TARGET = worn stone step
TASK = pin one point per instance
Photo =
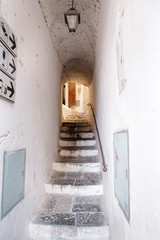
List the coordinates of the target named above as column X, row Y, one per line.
column 77, row 135
column 70, row 218
column 78, row 151
column 77, row 124
column 75, row 178
column 76, row 117
column 75, row 183
column 76, row 139
column 54, row 232
column 76, row 143
column 55, row 203
column 87, row 159
column 67, row 210
column 76, row 128
column 76, row 167
column 73, row 119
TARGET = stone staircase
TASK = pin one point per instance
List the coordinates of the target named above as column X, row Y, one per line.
column 73, row 206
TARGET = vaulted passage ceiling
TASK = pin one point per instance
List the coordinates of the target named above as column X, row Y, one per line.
column 76, row 51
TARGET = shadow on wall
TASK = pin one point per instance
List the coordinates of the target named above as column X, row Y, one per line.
column 77, row 70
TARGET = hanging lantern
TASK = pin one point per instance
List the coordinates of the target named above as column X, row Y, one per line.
column 72, row 19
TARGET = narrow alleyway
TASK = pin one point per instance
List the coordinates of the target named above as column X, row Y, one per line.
column 112, row 55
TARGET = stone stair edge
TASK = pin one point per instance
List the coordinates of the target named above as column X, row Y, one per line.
column 76, row 122
column 67, row 232
column 76, row 159
column 77, row 148
column 90, row 190
column 80, row 160
column 77, row 135
column 75, row 132
column 77, row 139
column 76, row 128
column 93, row 167
column 62, row 174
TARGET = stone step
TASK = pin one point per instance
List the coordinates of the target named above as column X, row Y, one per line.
column 49, row 232
column 74, row 190
column 77, row 151
column 68, row 119
column 66, row 210
column 77, row 135
column 76, row 143
column 76, row 128
column 77, row 124
column 76, row 117
column 75, row 183
column 76, row 167
column 67, row 217
column 88, row 159
column 72, row 219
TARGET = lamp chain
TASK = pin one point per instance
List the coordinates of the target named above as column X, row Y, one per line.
column 72, row 3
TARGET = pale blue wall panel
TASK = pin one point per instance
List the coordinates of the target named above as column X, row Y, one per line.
column 13, row 179
column 121, row 171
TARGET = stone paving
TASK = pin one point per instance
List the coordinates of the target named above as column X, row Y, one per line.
column 75, row 178
column 69, row 210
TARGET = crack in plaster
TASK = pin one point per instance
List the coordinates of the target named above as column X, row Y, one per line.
column 3, row 137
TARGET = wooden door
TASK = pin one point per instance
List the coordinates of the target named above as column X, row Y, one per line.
column 72, row 93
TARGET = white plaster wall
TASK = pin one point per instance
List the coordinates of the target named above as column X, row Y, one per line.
column 32, row 122
column 137, row 108
column 85, row 99
column 83, row 96
column 79, row 96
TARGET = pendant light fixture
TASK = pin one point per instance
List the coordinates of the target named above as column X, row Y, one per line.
column 72, row 18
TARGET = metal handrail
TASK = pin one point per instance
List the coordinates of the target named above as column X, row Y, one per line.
column 105, row 167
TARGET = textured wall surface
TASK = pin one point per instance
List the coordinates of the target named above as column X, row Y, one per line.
column 32, row 122
column 137, row 109
column 77, row 70
column 79, row 45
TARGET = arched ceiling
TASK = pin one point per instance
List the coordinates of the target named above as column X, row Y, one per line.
column 77, row 70
column 79, row 46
